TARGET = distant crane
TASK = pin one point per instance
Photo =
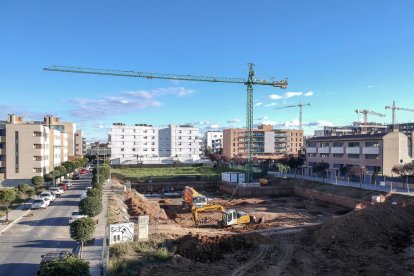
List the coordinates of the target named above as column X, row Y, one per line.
column 366, row 112
column 249, row 82
column 394, row 108
column 300, row 105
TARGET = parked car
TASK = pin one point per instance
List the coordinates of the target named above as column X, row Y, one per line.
column 57, row 190
column 63, row 186
column 83, row 195
column 51, row 256
column 83, row 171
column 47, row 195
column 76, row 214
column 40, row 203
column 67, row 182
column 75, row 176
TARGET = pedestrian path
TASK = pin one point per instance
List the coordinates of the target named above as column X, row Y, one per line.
column 15, row 216
column 353, row 184
column 94, row 253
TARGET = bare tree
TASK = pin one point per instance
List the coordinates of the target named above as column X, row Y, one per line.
column 404, row 171
column 358, row 171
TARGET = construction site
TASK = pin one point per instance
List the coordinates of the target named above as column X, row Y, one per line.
column 286, row 227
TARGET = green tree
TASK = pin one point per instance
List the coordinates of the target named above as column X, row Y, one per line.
column 321, row 169
column 95, row 192
column 7, row 196
column 26, row 190
column 70, row 265
column 38, row 182
column 81, row 230
column 91, row 206
column 70, row 166
column 404, row 171
column 48, row 177
column 294, row 163
column 61, row 169
column 358, row 171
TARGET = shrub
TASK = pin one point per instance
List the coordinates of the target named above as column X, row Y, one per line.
column 71, row 265
column 91, row 206
column 95, row 192
column 48, row 177
column 26, row 190
column 38, row 182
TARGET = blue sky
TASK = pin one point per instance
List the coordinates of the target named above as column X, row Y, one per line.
column 342, row 54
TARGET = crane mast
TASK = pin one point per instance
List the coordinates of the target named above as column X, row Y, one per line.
column 300, row 105
column 394, row 108
column 365, row 112
column 249, row 82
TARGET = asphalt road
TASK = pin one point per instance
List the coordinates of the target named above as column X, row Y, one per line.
column 47, row 230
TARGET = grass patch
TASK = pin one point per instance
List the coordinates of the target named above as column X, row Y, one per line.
column 170, row 172
column 129, row 258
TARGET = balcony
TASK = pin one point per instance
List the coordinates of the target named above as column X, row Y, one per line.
column 339, row 150
column 2, row 139
column 311, row 150
column 323, row 150
column 2, row 151
column 2, row 164
column 353, row 150
column 370, row 150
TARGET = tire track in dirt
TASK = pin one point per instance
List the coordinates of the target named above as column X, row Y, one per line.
column 257, row 255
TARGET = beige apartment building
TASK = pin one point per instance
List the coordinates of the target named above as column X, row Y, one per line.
column 268, row 143
column 79, row 143
column 31, row 148
column 67, row 127
column 378, row 152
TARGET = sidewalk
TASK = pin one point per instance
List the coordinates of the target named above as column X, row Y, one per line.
column 94, row 253
column 15, row 216
column 353, row 184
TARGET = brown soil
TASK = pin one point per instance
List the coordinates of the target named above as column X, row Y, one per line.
column 138, row 205
column 366, row 242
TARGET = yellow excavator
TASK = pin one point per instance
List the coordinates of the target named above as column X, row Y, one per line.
column 229, row 217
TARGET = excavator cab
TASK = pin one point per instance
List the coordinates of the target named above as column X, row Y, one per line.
column 199, row 201
column 231, row 217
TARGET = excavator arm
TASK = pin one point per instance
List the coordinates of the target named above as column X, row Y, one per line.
column 207, row 208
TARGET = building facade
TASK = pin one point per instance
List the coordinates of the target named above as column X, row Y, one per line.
column 213, row 141
column 268, row 143
column 143, row 143
column 31, row 148
column 378, row 152
column 79, row 143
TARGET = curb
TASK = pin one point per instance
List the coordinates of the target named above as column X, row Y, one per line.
column 14, row 222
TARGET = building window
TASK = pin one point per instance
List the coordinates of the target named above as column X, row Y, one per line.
column 353, row 144
column 122, row 149
column 337, row 155
column 37, row 170
column 371, row 156
column 338, row 144
column 311, row 154
column 324, row 155
column 37, row 158
column 353, row 156
column 37, row 134
column 372, row 144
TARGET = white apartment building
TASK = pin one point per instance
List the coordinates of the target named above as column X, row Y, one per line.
column 213, row 141
column 143, row 143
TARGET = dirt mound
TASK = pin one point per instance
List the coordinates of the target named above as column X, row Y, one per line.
column 366, row 242
column 138, row 205
column 208, row 249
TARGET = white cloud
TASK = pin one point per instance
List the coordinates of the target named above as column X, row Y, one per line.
column 215, row 126
column 309, row 93
column 270, row 104
column 286, row 95
column 259, row 104
column 262, row 118
column 123, row 102
column 370, row 86
column 232, row 121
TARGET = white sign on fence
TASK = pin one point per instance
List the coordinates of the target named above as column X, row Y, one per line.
column 121, row 232
column 143, row 222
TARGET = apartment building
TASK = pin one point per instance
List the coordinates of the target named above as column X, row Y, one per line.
column 143, row 143
column 213, row 141
column 268, row 143
column 79, row 143
column 30, row 148
column 378, row 152
column 67, row 127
